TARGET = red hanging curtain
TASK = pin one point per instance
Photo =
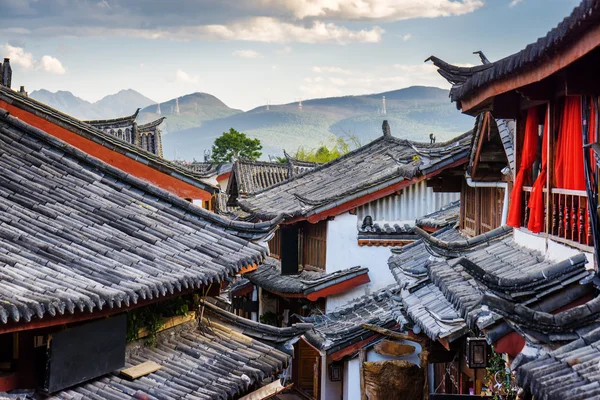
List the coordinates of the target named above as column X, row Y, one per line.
column 536, row 200
column 527, row 159
column 568, row 169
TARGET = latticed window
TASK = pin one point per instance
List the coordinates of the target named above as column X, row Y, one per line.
column 275, row 245
column 314, row 245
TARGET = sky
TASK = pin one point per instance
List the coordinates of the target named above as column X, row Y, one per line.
column 253, row 52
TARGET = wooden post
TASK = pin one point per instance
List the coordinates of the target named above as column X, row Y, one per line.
column 549, row 170
column 424, row 366
column 362, row 358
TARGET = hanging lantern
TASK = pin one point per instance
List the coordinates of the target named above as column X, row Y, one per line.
column 477, row 353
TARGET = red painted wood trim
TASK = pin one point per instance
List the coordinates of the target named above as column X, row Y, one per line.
column 8, row 382
column 582, row 46
column 340, row 287
column 342, row 208
column 353, row 348
column 121, row 161
column 224, row 176
column 333, row 289
column 511, row 344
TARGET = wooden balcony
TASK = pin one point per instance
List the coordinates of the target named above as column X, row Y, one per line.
column 569, row 218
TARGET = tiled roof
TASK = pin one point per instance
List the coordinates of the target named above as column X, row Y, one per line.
column 151, row 125
column 268, row 276
column 341, row 328
column 78, row 234
column 233, row 212
column 468, row 80
column 506, row 130
column 207, row 362
column 114, row 122
column 446, row 216
column 492, row 268
column 254, row 176
column 381, row 163
column 272, row 335
column 423, row 302
column 206, row 169
column 96, row 135
column 569, row 372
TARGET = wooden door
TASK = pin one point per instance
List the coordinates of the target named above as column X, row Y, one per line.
column 308, row 367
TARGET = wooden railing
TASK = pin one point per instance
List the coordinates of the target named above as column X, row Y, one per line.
column 570, row 219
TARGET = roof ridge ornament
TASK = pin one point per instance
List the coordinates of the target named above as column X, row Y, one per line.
column 387, row 131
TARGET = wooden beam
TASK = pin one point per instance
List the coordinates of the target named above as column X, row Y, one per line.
column 394, row 335
column 143, row 369
column 362, row 358
column 389, row 348
column 486, row 121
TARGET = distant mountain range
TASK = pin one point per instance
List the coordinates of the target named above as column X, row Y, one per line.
column 413, row 113
column 115, row 105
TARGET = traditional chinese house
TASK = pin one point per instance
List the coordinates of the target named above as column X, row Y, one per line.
column 146, row 136
column 531, row 290
column 143, row 162
column 357, row 351
column 90, row 252
column 329, row 210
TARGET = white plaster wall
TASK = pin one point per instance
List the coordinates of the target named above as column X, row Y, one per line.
column 352, row 379
column 198, row 203
column 554, row 251
column 344, row 252
column 330, row 390
column 412, row 202
column 223, row 184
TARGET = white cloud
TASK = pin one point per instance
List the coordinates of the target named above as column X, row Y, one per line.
column 246, row 54
column 183, row 77
column 283, row 51
column 337, row 81
column 391, row 10
column 406, row 37
column 272, row 30
column 104, row 4
column 51, row 64
column 332, row 70
column 514, row 3
column 18, row 56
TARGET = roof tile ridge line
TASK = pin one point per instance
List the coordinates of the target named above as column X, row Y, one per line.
column 137, row 182
column 351, row 304
column 446, row 66
column 466, row 243
column 79, row 125
column 490, row 279
column 152, row 124
column 407, row 247
column 321, row 166
column 564, row 320
column 448, row 142
column 132, row 117
column 226, row 314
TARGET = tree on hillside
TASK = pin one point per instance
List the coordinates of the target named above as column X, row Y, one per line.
column 326, row 153
column 233, row 145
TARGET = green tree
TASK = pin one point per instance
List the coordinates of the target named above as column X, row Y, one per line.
column 324, row 153
column 234, row 144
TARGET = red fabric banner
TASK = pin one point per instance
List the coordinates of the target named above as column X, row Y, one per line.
column 528, row 155
column 536, row 200
column 568, row 168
